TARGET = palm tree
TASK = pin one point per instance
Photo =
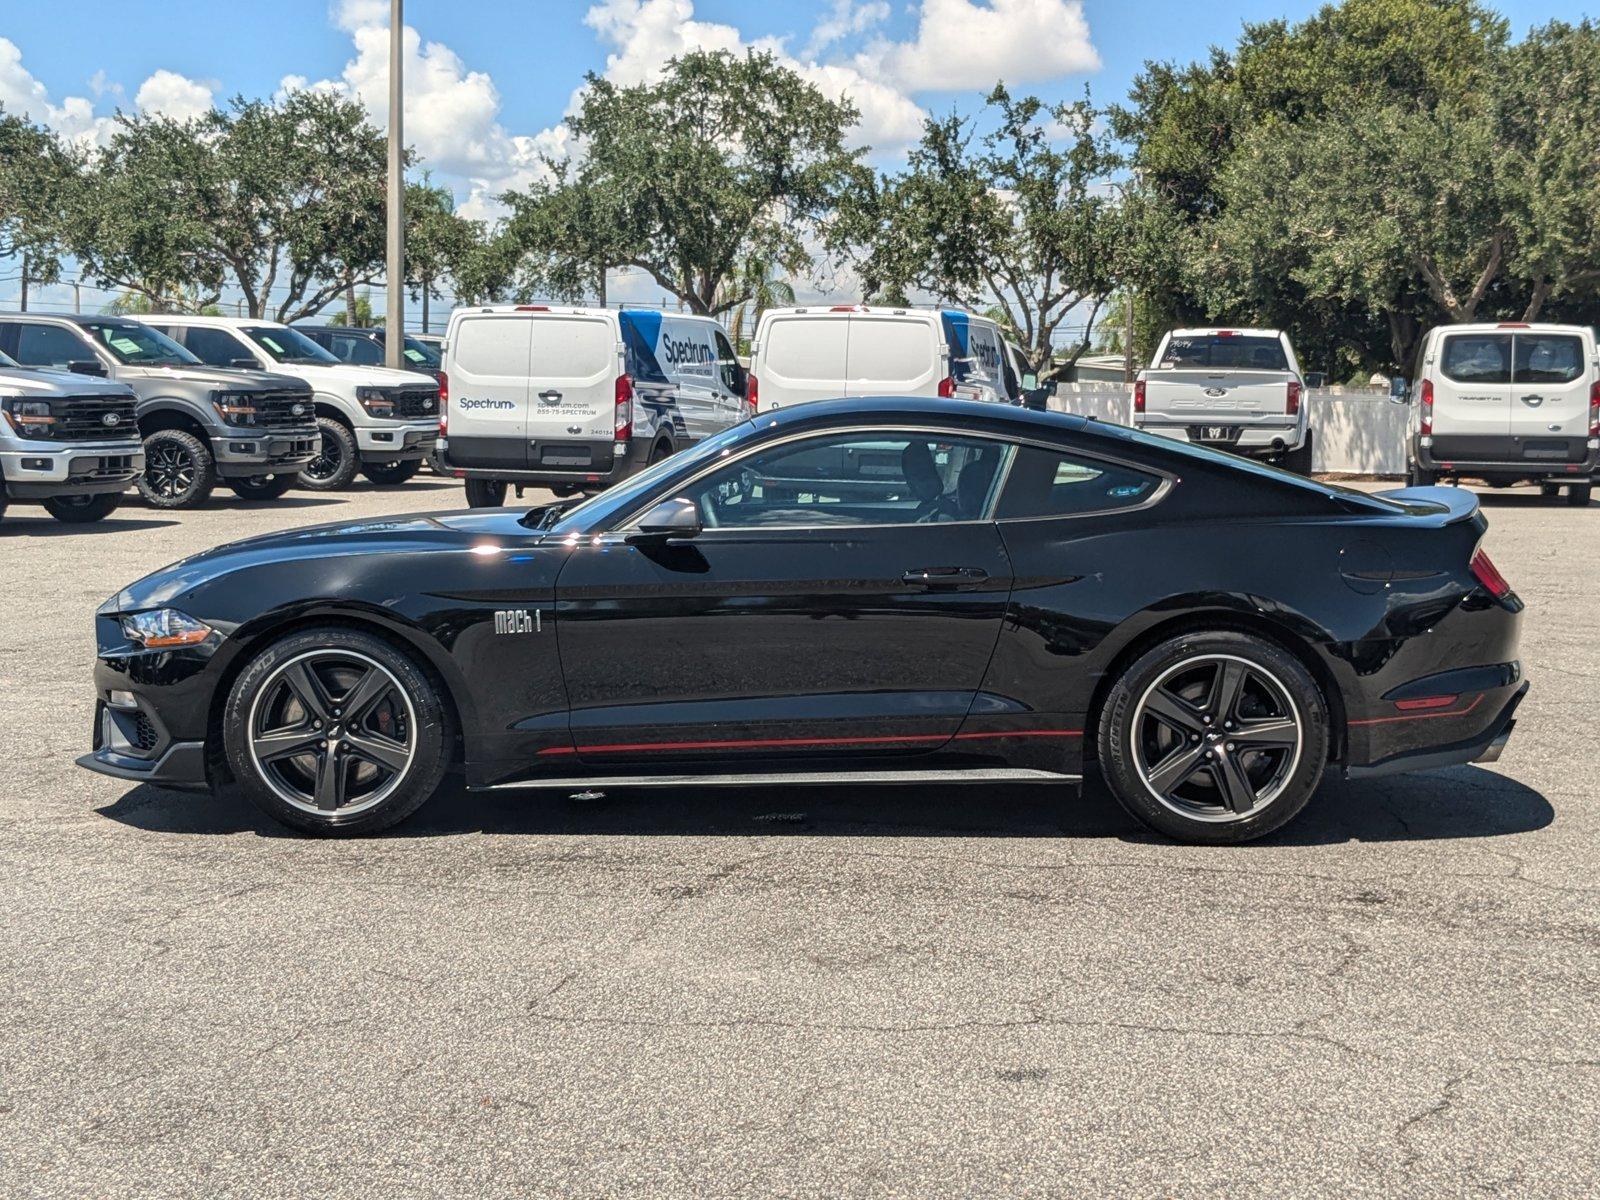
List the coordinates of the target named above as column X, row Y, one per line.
column 761, row 289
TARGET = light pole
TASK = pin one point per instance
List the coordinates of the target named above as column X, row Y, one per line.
column 395, row 265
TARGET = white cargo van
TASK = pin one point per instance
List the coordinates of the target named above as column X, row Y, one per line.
column 1508, row 403
column 814, row 353
column 575, row 399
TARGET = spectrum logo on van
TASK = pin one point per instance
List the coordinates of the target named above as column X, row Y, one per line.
column 685, row 351
column 470, row 405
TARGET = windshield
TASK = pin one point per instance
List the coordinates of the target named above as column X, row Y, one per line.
column 422, row 354
column 600, row 509
column 288, row 345
column 139, row 345
column 1229, row 351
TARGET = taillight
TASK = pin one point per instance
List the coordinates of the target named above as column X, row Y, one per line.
column 624, row 423
column 1292, row 404
column 947, row 387
column 1487, row 574
column 752, row 393
column 1594, row 409
column 1427, row 406
column 444, row 403
column 1138, row 395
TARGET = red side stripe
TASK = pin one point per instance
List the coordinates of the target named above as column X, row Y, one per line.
column 777, row 743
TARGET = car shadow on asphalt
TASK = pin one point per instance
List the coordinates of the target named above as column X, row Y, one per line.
column 1462, row 802
column 44, row 525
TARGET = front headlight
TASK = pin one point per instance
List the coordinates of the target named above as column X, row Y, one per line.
column 28, row 417
column 376, row 400
column 164, row 628
column 235, row 408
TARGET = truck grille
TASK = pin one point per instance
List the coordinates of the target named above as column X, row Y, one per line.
column 90, row 419
column 275, row 410
column 415, row 401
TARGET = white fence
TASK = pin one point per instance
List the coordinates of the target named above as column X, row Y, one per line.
column 1357, row 432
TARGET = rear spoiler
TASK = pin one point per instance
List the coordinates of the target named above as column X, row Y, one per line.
column 1447, row 505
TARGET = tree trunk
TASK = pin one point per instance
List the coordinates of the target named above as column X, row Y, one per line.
column 1541, row 292
column 349, row 300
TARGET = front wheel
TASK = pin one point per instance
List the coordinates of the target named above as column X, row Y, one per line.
column 337, row 459
column 485, row 493
column 179, row 471
column 262, row 487
column 1214, row 737
column 390, row 474
column 336, row 731
column 82, row 510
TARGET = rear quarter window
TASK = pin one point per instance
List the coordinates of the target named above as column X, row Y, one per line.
column 1477, row 358
column 1051, row 483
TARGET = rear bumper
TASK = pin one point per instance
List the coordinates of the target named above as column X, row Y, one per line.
column 1484, row 743
column 1500, row 457
column 1241, row 436
column 606, row 467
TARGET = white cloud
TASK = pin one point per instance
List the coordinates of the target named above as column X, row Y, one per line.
column 964, row 44
column 846, row 18
column 168, row 94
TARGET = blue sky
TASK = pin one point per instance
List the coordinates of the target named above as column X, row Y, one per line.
column 489, row 80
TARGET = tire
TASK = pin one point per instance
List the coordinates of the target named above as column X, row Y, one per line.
column 391, row 474
column 1219, row 796
column 662, row 449
column 179, row 471
column 330, row 778
column 262, row 487
column 1419, row 477
column 82, row 510
column 1578, row 495
column 1299, row 460
column 485, row 493
column 1549, row 490
column 335, row 464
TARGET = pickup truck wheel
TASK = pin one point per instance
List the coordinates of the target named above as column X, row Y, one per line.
column 82, row 510
column 389, row 474
column 485, row 493
column 335, row 464
column 179, row 471
column 1299, row 460
column 1419, row 477
column 262, row 487
column 1578, row 495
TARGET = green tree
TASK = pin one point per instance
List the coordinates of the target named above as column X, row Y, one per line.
column 36, row 179
column 727, row 159
column 438, row 241
column 283, row 201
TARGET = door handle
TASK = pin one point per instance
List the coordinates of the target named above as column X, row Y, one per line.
column 550, row 397
column 944, row 577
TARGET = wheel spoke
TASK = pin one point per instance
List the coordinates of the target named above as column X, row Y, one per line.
column 1269, row 733
column 378, row 750
column 308, row 689
column 1225, row 688
column 1237, row 791
column 285, row 743
column 330, row 781
column 1178, row 713
column 367, row 691
column 1176, row 767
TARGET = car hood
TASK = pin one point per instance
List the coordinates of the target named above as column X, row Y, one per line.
column 487, row 532
column 346, row 377
column 14, row 382
column 215, row 377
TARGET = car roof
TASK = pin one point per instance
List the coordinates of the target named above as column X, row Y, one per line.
column 1236, row 330
column 1514, row 327
column 338, row 328
column 72, row 318
column 917, row 409
column 217, row 322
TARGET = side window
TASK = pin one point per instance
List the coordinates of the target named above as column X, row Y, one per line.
column 727, row 363
column 1547, row 358
column 1049, row 483
column 49, row 346
column 1477, row 358
column 855, row 479
column 214, row 347
column 361, row 351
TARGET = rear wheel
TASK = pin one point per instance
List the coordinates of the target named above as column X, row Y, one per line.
column 1214, row 737
column 485, row 493
column 662, row 449
column 1420, row 476
column 1299, row 460
column 179, row 471
column 1578, row 495
column 390, row 474
column 262, row 487
column 335, row 731
column 337, row 459
column 82, row 510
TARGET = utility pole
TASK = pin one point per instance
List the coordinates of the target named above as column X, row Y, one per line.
column 394, row 322
column 22, row 303
column 1127, row 333
column 77, row 295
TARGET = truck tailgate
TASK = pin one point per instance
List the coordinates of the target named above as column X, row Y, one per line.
column 1183, row 394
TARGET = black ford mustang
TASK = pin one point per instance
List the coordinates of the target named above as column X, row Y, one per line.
column 848, row 590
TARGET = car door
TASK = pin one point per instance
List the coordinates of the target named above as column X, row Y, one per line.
column 1549, row 409
column 800, row 358
column 893, row 355
column 730, row 382
column 488, row 406
column 843, row 598
column 685, row 350
column 1472, row 394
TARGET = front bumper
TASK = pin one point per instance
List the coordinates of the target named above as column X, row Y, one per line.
column 247, row 453
column 397, row 443
column 133, row 744
column 48, row 469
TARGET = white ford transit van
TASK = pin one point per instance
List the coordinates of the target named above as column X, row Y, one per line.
column 1509, row 403
column 815, row 353
column 575, row 399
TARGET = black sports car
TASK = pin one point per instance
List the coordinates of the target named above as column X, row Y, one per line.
column 849, row 591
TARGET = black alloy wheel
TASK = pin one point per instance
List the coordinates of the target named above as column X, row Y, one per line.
column 262, row 487
column 391, row 473
column 337, row 458
column 179, row 471
column 82, row 510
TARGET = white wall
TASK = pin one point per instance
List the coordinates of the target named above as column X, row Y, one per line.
column 1353, row 431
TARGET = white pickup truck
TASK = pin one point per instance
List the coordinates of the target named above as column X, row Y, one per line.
column 1234, row 389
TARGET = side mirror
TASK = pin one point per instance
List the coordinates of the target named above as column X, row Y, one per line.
column 1316, row 379
column 672, row 520
column 244, row 364
column 1399, row 390
column 87, row 366
column 1029, row 382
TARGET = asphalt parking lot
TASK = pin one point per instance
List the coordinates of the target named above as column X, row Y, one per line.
column 968, row 991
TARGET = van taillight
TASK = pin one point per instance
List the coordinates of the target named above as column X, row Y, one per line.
column 624, row 423
column 1427, row 406
column 1486, row 573
column 1292, row 404
column 1594, row 409
column 444, row 403
column 1138, row 395
column 947, row 387
column 752, row 395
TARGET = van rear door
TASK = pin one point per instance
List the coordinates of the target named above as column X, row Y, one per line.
column 574, row 362
column 893, row 355
column 1549, row 409
column 802, row 357
column 488, row 372
column 1471, row 394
